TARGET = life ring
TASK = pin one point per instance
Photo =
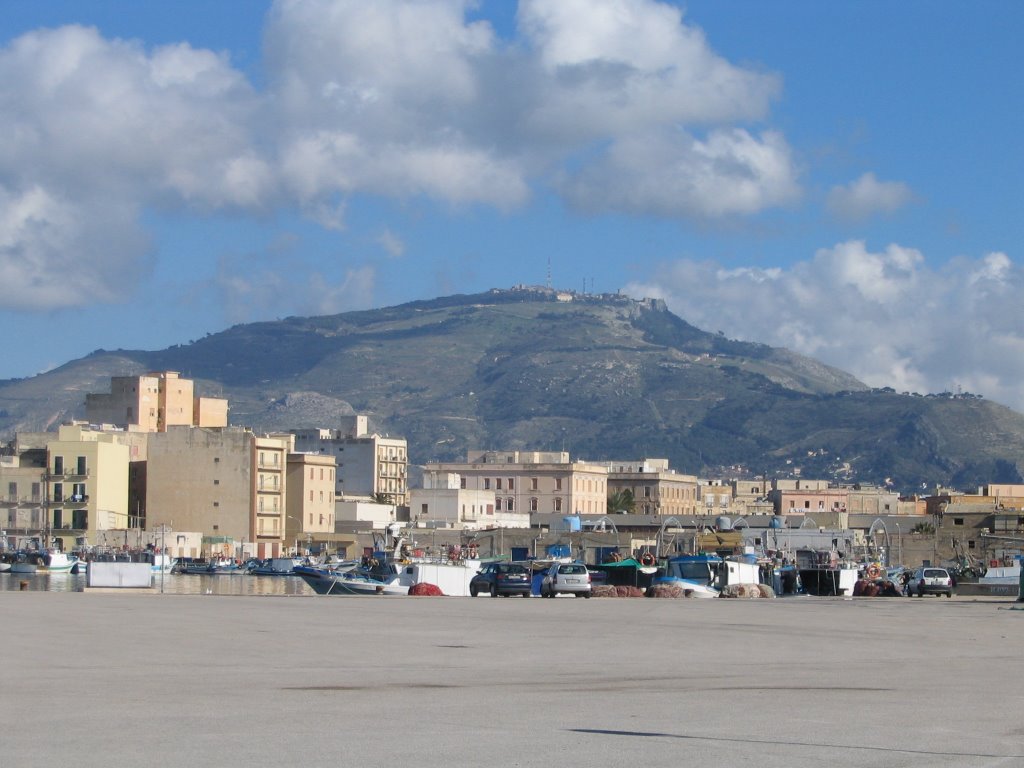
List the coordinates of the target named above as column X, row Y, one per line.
column 647, row 559
column 873, row 572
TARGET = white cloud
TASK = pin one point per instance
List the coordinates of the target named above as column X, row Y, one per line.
column 251, row 288
column 46, row 245
column 404, row 99
column 391, row 243
column 394, row 98
column 94, row 130
column 615, row 66
column 887, row 317
column 866, row 196
column 679, row 176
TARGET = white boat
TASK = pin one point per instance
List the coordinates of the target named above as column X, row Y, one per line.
column 707, row 575
column 163, row 563
column 48, row 561
column 392, row 577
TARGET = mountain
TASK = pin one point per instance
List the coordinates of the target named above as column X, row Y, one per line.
column 604, row 377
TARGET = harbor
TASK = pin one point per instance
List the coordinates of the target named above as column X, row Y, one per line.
column 203, row 680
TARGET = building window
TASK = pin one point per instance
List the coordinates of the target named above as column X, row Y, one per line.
column 497, row 483
column 807, row 505
column 558, row 504
column 510, row 504
column 462, row 483
column 497, row 504
column 58, row 465
column 533, row 483
column 216, row 482
column 958, row 521
column 970, row 544
column 533, row 504
column 487, row 483
column 511, row 484
column 647, row 491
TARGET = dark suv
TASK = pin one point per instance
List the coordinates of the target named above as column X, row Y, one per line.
column 501, row 579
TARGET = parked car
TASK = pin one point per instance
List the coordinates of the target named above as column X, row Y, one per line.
column 931, row 581
column 501, row 579
column 566, row 578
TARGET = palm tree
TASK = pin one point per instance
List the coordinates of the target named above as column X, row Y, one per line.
column 621, row 501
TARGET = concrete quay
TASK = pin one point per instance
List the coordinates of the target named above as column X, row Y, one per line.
column 99, row 679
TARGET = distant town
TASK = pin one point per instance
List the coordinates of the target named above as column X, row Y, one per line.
column 157, row 465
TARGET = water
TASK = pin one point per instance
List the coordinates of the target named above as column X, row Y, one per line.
column 173, row 583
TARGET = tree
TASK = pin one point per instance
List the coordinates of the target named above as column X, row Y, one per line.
column 621, row 501
column 382, row 498
column 923, row 528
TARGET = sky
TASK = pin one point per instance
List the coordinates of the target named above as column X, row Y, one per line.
column 842, row 179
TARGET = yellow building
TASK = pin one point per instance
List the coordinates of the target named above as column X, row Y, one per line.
column 656, row 489
column 154, row 402
column 309, row 500
column 525, row 482
column 86, row 484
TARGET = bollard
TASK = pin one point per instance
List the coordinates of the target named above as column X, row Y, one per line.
column 23, row 585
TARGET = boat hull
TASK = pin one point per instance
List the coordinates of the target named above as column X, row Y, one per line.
column 827, row 582
column 324, row 583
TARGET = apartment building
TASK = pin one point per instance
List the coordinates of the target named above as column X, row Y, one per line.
column 443, row 502
column 309, row 513
column 656, row 489
column 872, row 500
column 22, row 512
column 154, row 402
column 526, row 482
column 715, row 497
column 85, row 485
column 801, row 496
column 368, row 464
column 229, row 483
column 750, row 498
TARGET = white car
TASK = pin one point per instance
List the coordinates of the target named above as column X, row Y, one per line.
column 566, row 578
column 931, row 581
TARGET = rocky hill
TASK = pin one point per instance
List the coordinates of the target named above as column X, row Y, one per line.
column 601, row 376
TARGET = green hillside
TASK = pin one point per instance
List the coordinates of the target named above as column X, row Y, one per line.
column 601, row 376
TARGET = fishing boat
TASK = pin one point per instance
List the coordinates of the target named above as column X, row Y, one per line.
column 707, row 575
column 825, row 573
column 386, row 575
column 220, row 566
column 276, row 566
column 45, row 561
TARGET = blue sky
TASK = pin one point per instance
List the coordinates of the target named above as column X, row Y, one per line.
column 842, row 179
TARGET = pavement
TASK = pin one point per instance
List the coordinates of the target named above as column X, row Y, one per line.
column 101, row 679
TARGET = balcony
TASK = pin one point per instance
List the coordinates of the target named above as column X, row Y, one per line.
column 72, row 500
column 67, row 474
